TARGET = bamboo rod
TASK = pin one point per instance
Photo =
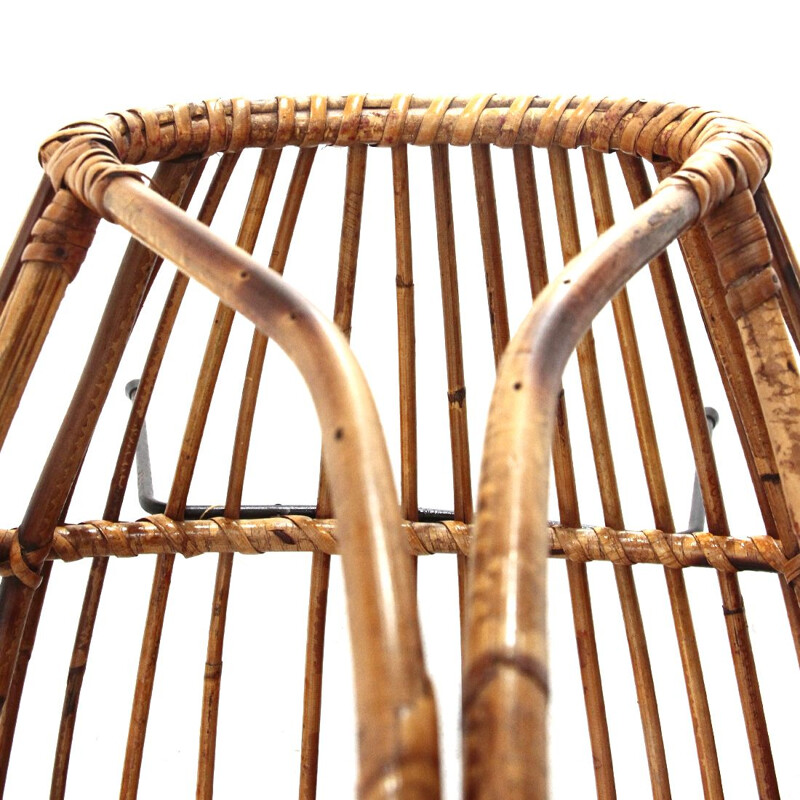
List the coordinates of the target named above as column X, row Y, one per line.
column 393, row 680
column 320, row 564
column 505, row 676
column 578, row 578
column 219, row 605
column 609, row 494
column 212, row 361
column 69, row 448
column 405, row 334
column 566, row 489
column 677, row 338
column 490, row 242
column 456, row 390
column 122, row 469
column 736, row 379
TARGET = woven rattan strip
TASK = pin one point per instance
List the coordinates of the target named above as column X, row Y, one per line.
column 719, row 155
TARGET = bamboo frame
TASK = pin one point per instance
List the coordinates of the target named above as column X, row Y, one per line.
column 711, row 169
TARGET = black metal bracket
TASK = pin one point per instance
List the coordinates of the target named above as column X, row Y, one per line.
column 149, row 502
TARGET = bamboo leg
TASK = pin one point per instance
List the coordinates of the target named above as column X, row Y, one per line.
column 67, row 453
column 8, row 718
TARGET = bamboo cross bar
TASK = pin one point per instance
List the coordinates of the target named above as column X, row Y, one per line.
column 159, row 534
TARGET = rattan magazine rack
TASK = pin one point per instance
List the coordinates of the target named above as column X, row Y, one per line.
column 709, row 198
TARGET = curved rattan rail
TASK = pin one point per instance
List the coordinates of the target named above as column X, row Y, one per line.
column 711, row 167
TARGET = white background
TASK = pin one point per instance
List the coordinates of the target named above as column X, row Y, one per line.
column 62, row 63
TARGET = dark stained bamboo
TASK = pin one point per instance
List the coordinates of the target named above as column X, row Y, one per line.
column 505, row 676
column 733, row 605
column 456, row 390
column 69, row 448
column 609, row 493
column 125, row 459
column 212, row 361
column 219, row 605
column 321, row 562
column 13, row 262
column 578, row 578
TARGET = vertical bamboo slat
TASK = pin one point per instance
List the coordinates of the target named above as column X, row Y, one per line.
column 733, row 605
column 212, row 361
column 456, row 391
column 97, row 572
column 405, row 334
column 219, row 604
column 568, row 508
column 321, row 562
column 609, row 494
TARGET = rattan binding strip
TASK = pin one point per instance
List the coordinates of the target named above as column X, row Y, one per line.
column 719, row 156
column 159, row 534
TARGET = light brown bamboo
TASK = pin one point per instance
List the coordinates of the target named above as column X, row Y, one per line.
column 219, row 604
column 609, row 493
column 456, row 390
column 490, row 242
column 735, row 374
column 578, row 578
column 390, row 678
column 506, row 677
column 321, row 564
column 677, row 338
column 122, row 469
column 566, row 489
column 733, row 605
column 176, row 503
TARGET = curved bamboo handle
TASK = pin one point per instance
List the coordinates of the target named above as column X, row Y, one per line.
column 505, row 678
column 396, row 711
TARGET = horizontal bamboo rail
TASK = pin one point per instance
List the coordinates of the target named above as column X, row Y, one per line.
column 159, row 534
